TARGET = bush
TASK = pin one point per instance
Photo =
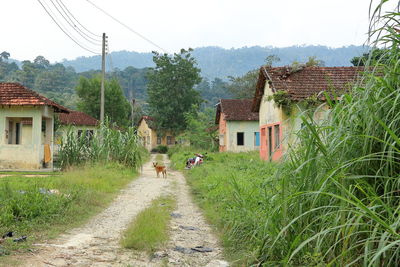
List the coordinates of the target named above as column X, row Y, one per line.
column 107, row 144
column 162, row 149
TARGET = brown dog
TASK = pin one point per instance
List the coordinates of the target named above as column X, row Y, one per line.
column 159, row 169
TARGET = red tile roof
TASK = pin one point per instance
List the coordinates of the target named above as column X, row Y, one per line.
column 78, row 119
column 15, row 94
column 305, row 82
column 236, row 110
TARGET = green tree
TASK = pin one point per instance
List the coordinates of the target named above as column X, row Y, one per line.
column 170, row 89
column 201, row 130
column 116, row 106
column 244, row 86
column 373, row 57
column 4, row 56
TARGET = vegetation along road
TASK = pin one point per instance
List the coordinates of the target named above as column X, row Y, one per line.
column 98, row 242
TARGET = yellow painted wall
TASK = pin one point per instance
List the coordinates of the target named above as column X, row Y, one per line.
column 290, row 119
column 150, row 136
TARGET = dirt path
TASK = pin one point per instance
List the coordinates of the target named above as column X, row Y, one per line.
column 97, row 242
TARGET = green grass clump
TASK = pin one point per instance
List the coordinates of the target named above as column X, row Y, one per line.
column 149, row 230
column 27, row 208
column 107, row 144
column 232, row 189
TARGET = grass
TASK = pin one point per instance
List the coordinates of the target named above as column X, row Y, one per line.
column 26, row 210
column 149, row 231
column 230, row 188
column 334, row 200
column 160, row 159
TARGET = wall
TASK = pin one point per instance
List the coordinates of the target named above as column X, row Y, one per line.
column 222, row 133
column 29, row 153
column 248, row 128
column 289, row 122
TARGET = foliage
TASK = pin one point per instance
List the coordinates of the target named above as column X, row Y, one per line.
column 171, row 90
column 212, row 91
column 281, row 98
column 116, row 106
column 232, row 189
column 338, row 202
column 243, row 86
column 372, row 57
column 107, row 144
column 199, row 131
column 160, row 149
column 149, row 230
column 28, row 208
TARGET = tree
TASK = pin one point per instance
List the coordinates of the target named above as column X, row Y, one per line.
column 201, row 130
column 4, row 55
column 373, row 57
column 170, row 89
column 244, row 86
column 116, row 106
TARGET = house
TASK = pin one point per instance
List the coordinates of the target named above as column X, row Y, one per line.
column 150, row 138
column 26, row 128
column 238, row 125
column 79, row 122
column 282, row 93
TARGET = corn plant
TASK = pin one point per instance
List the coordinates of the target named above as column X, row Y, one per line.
column 107, row 144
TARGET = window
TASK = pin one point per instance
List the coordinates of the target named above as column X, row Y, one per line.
column 14, row 131
column 158, row 140
column 277, row 136
column 240, row 139
column 256, row 138
column 89, row 135
column 169, row 140
column 80, row 133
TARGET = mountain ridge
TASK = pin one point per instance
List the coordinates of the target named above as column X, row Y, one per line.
column 218, row 62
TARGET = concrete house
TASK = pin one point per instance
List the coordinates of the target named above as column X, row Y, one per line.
column 79, row 122
column 26, row 128
column 238, row 125
column 149, row 136
column 279, row 121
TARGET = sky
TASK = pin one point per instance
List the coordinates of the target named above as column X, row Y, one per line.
column 28, row 31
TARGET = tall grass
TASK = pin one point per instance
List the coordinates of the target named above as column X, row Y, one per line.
column 107, row 144
column 339, row 200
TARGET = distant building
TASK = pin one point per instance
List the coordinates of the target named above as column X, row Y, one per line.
column 278, row 123
column 238, row 125
column 78, row 122
column 150, row 137
column 26, row 128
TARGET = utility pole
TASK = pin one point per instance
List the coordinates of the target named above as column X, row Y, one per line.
column 103, row 74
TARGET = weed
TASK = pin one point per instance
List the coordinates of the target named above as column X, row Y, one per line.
column 149, row 230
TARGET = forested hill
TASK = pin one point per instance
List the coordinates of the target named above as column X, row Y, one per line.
column 220, row 62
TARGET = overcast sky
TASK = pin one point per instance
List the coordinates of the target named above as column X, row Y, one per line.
column 27, row 30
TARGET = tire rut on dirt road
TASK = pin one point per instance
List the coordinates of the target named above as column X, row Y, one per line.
column 98, row 242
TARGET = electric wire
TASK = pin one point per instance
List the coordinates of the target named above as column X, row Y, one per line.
column 65, row 31
column 73, row 26
column 72, row 15
column 126, row 26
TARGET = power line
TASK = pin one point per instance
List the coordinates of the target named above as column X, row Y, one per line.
column 126, row 26
column 96, row 35
column 64, row 31
column 73, row 26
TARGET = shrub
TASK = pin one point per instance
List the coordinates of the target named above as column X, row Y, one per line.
column 107, row 144
column 162, row 149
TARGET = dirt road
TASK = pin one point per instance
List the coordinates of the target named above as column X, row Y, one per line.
column 192, row 242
